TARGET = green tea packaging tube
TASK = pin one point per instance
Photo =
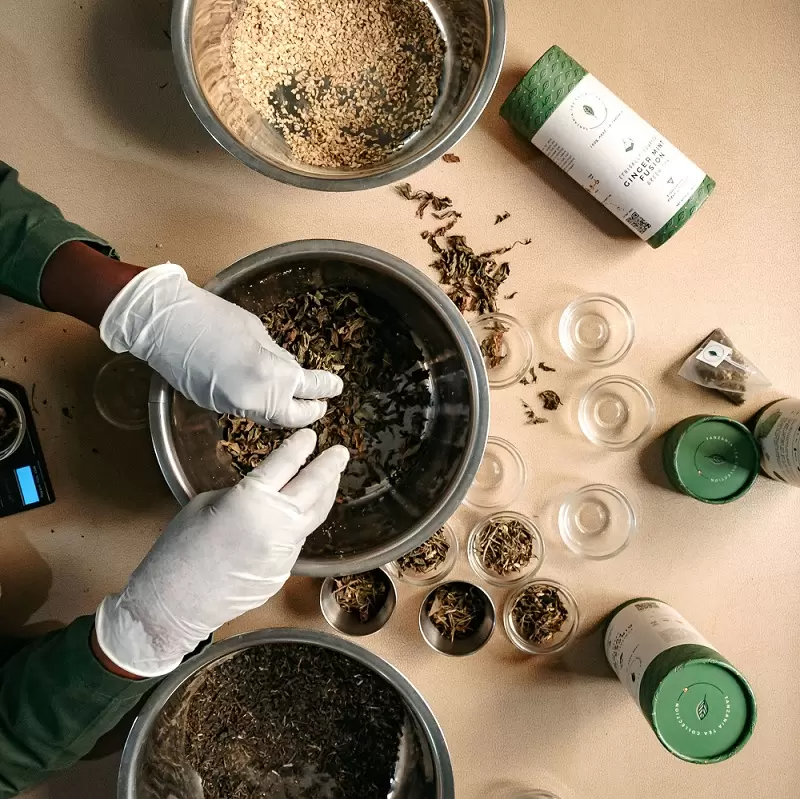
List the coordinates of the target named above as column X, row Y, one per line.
column 777, row 431
column 620, row 159
column 700, row 707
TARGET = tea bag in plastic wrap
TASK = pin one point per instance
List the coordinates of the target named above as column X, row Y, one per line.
column 716, row 363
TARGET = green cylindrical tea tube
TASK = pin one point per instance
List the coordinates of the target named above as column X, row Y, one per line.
column 777, row 430
column 604, row 145
column 700, row 707
column 711, row 458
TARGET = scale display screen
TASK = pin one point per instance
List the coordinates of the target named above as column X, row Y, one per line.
column 27, row 485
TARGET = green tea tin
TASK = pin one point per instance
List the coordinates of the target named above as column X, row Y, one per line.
column 700, row 707
column 711, row 458
column 604, row 145
column 777, row 430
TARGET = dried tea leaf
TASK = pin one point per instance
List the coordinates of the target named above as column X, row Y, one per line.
column 545, row 368
column 451, row 158
column 501, row 218
column 362, row 594
column 550, row 400
column 425, row 198
column 511, row 296
column 531, row 416
column 456, row 612
column 493, row 348
column 427, row 557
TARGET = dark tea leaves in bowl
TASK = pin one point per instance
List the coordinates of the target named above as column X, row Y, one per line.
column 282, row 721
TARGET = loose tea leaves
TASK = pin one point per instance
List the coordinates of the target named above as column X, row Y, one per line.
column 531, row 416
column 550, row 400
column 511, row 296
column 425, row 198
column 539, row 614
column 456, row 611
column 361, row 594
column 427, row 557
column 279, row 720
column 545, row 368
column 493, row 348
column 505, row 545
column 385, row 386
column 451, row 158
column 501, row 218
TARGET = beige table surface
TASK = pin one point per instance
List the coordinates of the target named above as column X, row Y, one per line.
column 91, row 114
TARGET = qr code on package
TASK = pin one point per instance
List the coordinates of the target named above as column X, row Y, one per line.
column 638, row 223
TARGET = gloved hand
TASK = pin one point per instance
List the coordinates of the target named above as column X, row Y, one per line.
column 212, row 351
column 225, row 553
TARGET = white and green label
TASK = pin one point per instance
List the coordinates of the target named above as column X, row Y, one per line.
column 624, row 162
column 639, row 633
column 778, row 435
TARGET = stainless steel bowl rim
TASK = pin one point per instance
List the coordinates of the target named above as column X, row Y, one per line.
column 160, row 391
column 137, row 738
column 184, row 64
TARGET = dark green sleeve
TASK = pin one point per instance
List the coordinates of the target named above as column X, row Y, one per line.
column 56, row 700
column 31, row 230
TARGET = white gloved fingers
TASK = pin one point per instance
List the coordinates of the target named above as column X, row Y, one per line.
column 300, row 413
column 312, row 484
column 280, row 466
column 318, row 384
column 269, row 344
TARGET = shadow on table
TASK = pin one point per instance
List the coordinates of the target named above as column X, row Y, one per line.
column 543, row 168
column 133, row 77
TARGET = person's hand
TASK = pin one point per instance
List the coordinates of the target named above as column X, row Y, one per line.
column 213, row 352
column 225, row 553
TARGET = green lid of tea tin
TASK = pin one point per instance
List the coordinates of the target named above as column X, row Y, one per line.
column 711, row 458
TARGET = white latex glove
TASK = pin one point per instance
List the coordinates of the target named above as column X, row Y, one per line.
column 212, row 351
column 225, row 553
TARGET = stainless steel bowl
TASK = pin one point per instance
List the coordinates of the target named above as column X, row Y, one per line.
column 348, row 623
column 364, row 534
column 473, row 30
column 423, row 769
column 459, row 646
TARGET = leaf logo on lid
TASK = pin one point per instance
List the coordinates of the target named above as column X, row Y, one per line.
column 702, row 709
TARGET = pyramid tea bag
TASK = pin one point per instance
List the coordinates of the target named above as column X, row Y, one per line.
column 717, row 364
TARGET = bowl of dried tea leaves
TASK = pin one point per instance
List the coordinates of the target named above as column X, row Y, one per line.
column 541, row 617
column 358, row 604
column 429, row 562
column 505, row 548
column 457, row 618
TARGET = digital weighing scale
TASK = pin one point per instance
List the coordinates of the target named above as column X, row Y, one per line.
column 24, row 482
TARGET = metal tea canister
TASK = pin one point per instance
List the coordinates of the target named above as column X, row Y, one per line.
column 711, row 458
column 777, row 430
column 700, row 707
column 619, row 158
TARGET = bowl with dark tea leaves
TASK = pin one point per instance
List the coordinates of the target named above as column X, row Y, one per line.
column 430, row 562
column 285, row 713
column 505, row 548
column 457, row 618
column 358, row 604
column 413, row 413
column 541, row 617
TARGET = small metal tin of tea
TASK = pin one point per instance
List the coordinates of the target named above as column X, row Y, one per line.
column 711, row 458
column 347, row 622
column 700, row 707
column 459, row 646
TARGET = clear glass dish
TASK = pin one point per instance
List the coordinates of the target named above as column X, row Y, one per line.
column 616, row 412
column 596, row 521
column 514, row 348
column 596, row 330
column 511, row 578
column 560, row 640
column 500, row 478
column 435, row 575
column 122, row 390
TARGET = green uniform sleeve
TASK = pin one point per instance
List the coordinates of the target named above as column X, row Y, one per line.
column 31, row 230
column 56, row 700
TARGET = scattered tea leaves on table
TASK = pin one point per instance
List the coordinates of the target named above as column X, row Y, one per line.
column 385, row 386
column 511, row 296
column 451, row 158
column 530, row 415
column 501, row 218
column 550, row 400
column 278, row 720
column 427, row 557
column 545, row 368
column 361, row 594
column 449, row 214
column 505, row 545
column 456, row 611
column 424, row 198
column 493, row 347
column 539, row 614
